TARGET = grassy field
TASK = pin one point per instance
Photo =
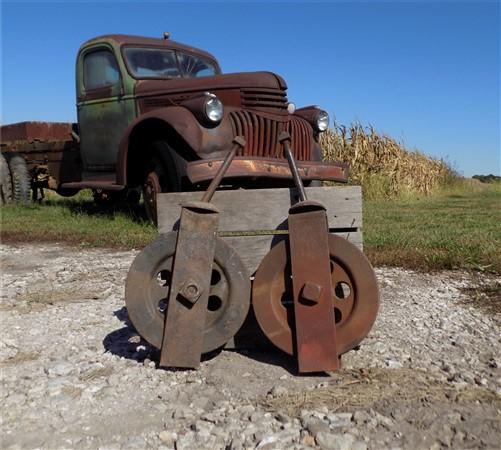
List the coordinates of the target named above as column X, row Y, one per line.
column 77, row 220
column 458, row 227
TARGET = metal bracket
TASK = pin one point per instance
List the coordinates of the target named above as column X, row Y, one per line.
column 191, row 276
column 315, row 324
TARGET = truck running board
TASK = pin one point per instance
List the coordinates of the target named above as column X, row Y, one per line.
column 104, row 185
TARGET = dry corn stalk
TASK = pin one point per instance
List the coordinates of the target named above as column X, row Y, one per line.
column 383, row 166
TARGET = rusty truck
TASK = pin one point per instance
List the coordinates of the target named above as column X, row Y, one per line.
column 155, row 115
column 159, row 117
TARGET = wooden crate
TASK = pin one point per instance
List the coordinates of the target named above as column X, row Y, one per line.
column 252, row 221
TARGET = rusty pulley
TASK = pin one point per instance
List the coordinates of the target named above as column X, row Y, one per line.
column 306, row 285
column 199, row 279
column 149, row 281
column 354, row 296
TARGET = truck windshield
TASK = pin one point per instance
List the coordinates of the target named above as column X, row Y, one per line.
column 165, row 63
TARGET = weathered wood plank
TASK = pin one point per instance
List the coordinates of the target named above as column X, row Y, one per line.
column 245, row 212
column 265, row 209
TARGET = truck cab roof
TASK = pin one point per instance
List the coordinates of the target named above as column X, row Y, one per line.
column 125, row 39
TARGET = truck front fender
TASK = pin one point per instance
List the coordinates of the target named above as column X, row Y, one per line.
column 176, row 117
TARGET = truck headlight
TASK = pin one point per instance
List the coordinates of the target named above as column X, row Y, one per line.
column 213, row 108
column 322, row 121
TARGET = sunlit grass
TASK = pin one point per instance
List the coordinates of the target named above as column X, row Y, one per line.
column 457, row 227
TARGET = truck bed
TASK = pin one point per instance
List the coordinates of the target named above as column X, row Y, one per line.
column 30, row 132
column 51, row 150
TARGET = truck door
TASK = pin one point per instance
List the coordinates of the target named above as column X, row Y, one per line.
column 103, row 110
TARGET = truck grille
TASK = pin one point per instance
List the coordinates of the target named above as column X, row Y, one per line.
column 264, row 98
column 261, row 135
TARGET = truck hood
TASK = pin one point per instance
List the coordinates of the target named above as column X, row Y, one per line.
column 267, row 80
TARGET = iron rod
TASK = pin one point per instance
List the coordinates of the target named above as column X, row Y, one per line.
column 295, row 172
column 207, row 197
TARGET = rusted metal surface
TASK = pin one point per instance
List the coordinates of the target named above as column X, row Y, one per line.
column 148, row 284
column 261, row 133
column 36, row 131
column 150, row 189
column 182, row 343
column 315, row 328
column 354, row 298
column 242, row 167
column 187, row 86
column 238, row 142
column 97, row 184
column 284, row 139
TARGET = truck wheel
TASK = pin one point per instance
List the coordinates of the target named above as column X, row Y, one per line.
column 5, row 181
column 21, row 181
column 161, row 176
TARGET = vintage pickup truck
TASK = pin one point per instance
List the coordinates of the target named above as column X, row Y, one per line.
column 159, row 116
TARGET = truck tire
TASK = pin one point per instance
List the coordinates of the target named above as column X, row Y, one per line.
column 5, row 181
column 21, row 182
column 161, row 175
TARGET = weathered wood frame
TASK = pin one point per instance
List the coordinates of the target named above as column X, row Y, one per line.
column 254, row 220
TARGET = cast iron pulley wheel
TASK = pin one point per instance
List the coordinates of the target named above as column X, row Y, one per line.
column 5, row 181
column 355, row 296
column 147, row 290
column 21, row 181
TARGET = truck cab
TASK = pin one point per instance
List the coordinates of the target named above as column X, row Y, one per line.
column 160, row 115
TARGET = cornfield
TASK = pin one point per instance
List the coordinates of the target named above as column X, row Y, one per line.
column 381, row 165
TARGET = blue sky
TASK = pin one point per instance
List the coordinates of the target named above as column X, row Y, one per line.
column 427, row 73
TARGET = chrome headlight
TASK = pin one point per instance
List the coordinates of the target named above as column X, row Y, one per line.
column 213, row 108
column 322, row 121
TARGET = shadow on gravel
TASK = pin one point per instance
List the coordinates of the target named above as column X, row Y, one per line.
column 249, row 342
column 126, row 343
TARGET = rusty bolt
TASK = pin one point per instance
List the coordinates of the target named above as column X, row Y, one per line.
column 191, row 291
column 311, row 292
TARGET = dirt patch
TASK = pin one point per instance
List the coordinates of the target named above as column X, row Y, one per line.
column 352, row 390
column 19, row 358
column 485, row 295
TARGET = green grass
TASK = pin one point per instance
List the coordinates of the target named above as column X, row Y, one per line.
column 77, row 220
column 459, row 227
column 456, row 228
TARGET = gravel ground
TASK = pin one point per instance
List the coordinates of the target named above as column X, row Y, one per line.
column 75, row 374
